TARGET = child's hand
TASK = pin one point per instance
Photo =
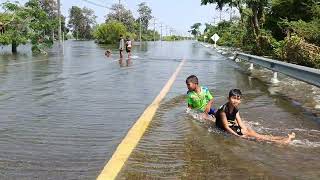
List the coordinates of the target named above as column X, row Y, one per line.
column 207, row 110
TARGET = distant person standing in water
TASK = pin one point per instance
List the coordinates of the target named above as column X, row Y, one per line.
column 128, row 46
column 121, row 46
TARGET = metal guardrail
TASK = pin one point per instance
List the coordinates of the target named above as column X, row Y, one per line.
column 306, row 74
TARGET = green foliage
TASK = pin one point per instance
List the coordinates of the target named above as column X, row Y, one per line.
column 39, row 24
column 81, row 21
column 108, row 33
column 123, row 16
column 307, row 30
column 131, row 36
column 149, row 35
column 50, row 7
column 145, row 15
column 207, row 27
column 266, row 29
column 292, row 10
column 220, row 3
column 24, row 23
column 316, row 11
column 297, row 51
column 15, row 29
column 293, row 15
column 120, row 13
column 195, row 29
column 230, row 33
column 173, row 38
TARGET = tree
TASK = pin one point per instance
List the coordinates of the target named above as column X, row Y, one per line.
column 293, row 10
column 63, row 24
column 50, row 7
column 119, row 13
column 299, row 16
column 15, row 33
column 75, row 20
column 108, row 33
column 173, row 38
column 256, row 7
column 144, row 15
column 39, row 24
column 25, row 23
column 89, row 22
column 285, row 29
column 255, row 11
column 81, row 21
column 238, row 4
column 207, row 27
column 151, row 35
column 195, row 29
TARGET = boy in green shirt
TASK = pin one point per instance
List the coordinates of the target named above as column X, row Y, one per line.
column 199, row 97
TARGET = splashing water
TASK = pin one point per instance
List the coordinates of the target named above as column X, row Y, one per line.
column 196, row 115
column 305, row 143
column 203, row 118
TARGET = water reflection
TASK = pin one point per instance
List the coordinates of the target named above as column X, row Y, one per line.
column 125, row 62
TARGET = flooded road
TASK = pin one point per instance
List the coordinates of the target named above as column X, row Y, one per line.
column 63, row 115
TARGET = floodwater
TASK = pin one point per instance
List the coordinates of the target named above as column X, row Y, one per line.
column 63, row 115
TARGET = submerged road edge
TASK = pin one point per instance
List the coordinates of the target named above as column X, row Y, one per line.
column 124, row 149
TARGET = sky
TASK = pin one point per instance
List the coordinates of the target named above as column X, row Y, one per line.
column 176, row 14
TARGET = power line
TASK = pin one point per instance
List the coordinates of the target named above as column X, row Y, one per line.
column 122, row 2
column 96, row 4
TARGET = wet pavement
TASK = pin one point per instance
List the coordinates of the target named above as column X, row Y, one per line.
column 62, row 116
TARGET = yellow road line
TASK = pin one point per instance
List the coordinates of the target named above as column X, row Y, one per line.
column 123, row 151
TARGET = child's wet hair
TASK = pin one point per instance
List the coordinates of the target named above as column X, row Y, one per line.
column 192, row 79
column 235, row 92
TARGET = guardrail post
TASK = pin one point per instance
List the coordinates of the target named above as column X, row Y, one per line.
column 250, row 81
column 275, row 80
column 251, row 67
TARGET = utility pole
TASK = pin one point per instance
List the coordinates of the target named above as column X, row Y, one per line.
column 214, row 20
column 119, row 11
column 59, row 17
column 230, row 13
column 154, row 30
column 166, row 30
column 140, row 29
column 161, row 32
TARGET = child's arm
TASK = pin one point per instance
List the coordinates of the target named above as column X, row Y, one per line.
column 207, row 109
column 225, row 124
column 240, row 122
column 210, row 97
